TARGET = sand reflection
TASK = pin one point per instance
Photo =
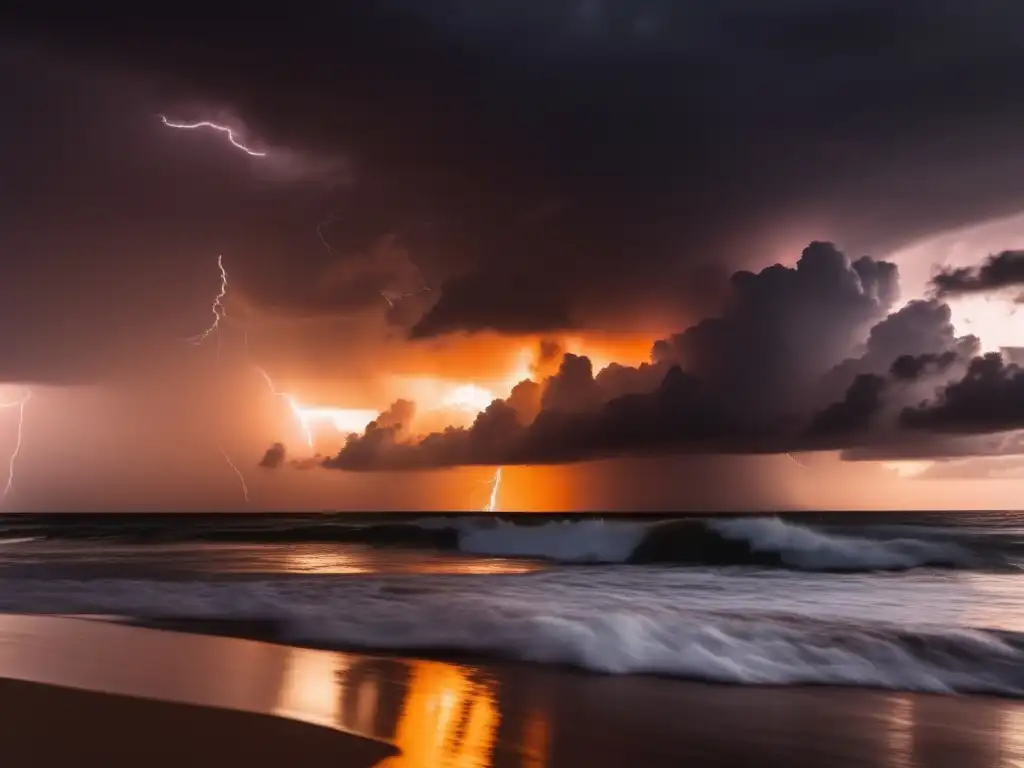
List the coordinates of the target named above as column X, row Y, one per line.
column 309, row 688
column 900, row 722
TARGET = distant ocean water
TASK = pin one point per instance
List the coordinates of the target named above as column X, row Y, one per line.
column 917, row 602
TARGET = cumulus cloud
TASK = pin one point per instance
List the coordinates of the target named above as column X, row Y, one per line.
column 747, row 380
column 918, row 335
column 784, row 327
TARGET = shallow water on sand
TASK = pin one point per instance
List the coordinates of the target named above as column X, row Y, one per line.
column 490, row 715
column 476, row 715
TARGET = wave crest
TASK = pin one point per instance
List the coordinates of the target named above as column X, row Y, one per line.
column 769, row 542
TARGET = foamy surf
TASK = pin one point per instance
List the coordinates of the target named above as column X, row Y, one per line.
column 594, row 619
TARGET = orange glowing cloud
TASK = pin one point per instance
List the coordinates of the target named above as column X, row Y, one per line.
column 450, row 382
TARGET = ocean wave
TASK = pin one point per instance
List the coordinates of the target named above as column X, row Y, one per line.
column 763, row 541
column 566, row 541
column 573, row 622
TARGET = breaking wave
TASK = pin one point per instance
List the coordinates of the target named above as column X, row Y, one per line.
column 572, row 621
column 735, row 541
column 769, row 542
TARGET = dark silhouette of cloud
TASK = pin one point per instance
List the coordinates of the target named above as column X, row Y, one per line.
column 913, row 367
column 989, row 398
column 854, row 412
column 920, row 328
column 783, row 328
column 274, row 456
column 997, row 272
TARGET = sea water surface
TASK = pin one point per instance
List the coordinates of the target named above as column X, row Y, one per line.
column 925, row 602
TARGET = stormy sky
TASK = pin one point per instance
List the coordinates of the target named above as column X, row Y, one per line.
column 636, row 241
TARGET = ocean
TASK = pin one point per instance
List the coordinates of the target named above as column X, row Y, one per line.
column 910, row 602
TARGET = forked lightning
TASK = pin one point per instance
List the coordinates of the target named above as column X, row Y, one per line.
column 220, row 312
column 217, row 307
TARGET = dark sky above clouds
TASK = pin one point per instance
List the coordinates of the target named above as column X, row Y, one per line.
column 612, row 160
column 534, row 170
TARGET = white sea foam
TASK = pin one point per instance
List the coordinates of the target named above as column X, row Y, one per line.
column 809, row 549
column 692, row 623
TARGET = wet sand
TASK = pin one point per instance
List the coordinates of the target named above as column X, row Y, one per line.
column 45, row 726
column 478, row 714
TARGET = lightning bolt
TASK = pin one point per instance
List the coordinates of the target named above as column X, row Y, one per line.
column 20, row 404
column 217, row 127
column 492, row 502
column 238, row 472
column 293, row 405
column 217, row 308
column 220, row 312
column 346, row 421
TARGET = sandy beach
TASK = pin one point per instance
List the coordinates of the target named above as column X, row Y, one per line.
column 228, row 700
column 48, row 725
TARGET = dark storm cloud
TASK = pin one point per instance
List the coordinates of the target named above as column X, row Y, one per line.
column 918, row 335
column 743, row 382
column 855, row 411
column 908, row 445
column 583, row 159
column 913, row 367
column 274, row 456
column 997, row 272
column 382, row 277
column 989, row 398
column 784, row 327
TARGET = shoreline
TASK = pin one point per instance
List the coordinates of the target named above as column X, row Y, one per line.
column 273, row 632
column 497, row 714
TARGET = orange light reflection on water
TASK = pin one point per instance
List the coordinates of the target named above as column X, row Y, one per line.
column 438, row 714
column 329, row 558
column 449, row 719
